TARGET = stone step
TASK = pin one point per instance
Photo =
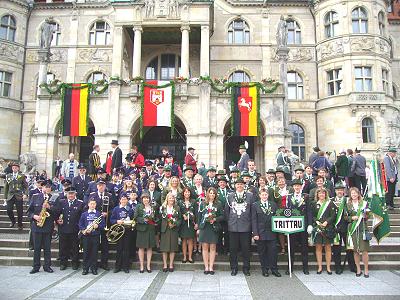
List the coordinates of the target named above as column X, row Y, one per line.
column 15, row 230
column 6, row 224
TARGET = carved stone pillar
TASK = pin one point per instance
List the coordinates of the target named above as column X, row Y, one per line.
column 282, row 53
column 185, row 51
column 205, row 51
column 137, row 50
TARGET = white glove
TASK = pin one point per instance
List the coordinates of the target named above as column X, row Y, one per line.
column 309, row 229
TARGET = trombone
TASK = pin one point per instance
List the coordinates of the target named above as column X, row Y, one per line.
column 106, row 202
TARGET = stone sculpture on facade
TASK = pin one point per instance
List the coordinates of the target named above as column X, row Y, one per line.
column 149, row 8
column 46, row 34
column 28, row 162
column 281, row 33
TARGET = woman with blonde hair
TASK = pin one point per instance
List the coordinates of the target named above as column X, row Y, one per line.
column 356, row 213
column 170, row 222
column 174, row 187
column 209, row 217
column 323, row 212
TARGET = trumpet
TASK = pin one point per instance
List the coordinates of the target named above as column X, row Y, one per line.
column 118, row 230
column 43, row 213
column 90, row 227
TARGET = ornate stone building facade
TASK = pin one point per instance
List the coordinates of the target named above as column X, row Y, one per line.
column 343, row 70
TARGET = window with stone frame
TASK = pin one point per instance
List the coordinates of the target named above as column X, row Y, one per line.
column 334, row 81
column 359, row 18
column 295, row 86
column 293, row 32
column 100, row 33
column 298, row 141
column 5, row 84
column 331, row 23
column 238, row 32
column 368, row 130
column 8, row 27
column 363, row 79
column 56, row 34
column 164, row 67
column 95, row 77
column 239, row 76
column 385, row 81
column 381, row 23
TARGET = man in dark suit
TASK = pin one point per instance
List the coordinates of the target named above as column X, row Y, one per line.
column 210, row 180
column 391, row 173
column 358, row 168
column 117, row 156
column 81, row 182
column 261, row 217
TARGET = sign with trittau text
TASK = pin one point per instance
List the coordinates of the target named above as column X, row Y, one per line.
column 288, row 225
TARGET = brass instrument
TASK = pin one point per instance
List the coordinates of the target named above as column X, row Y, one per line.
column 106, row 202
column 43, row 213
column 118, row 230
column 90, row 227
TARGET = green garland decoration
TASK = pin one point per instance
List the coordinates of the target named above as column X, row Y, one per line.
column 141, row 110
column 258, row 112
column 232, row 112
column 280, row 212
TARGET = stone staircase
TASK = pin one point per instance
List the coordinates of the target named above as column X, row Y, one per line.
column 14, row 249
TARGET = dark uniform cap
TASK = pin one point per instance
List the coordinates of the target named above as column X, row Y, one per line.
column 48, row 183
column 211, row 168
column 339, row 185
column 299, row 168
column 123, row 194
column 245, row 174
column 187, row 168
column 270, row 171
column 242, row 147
column 81, row 166
column 14, row 163
column 168, row 168
column 70, row 189
column 148, row 163
column 191, row 148
column 222, row 178
column 100, row 181
column 101, row 171
column 392, row 150
column 66, row 182
column 239, row 180
column 221, row 172
column 160, row 166
column 235, row 170
column 297, row 182
column 127, row 178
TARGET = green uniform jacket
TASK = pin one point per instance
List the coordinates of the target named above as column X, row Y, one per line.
column 165, row 193
column 342, row 166
column 329, row 214
column 273, row 194
column 202, row 211
column 141, row 225
column 164, row 221
column 15, row 187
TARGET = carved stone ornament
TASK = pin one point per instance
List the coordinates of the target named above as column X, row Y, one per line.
column 331, row 48
column 162, row 9
column 297, row 54
column 362, row 44
column 94, row 55
column 11, row 52
column 57, row 56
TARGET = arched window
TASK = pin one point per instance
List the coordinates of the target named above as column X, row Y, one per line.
column 239, row 76
column 163, row 67
column 381, row 22
column 96, row 76
column 8, row 28
column 359, row 19
column 238, row 32
column 298, row 141
column 56, row 34
column 331, row 23
column 293, row 32
column 295, row 86
column 100, row 34
column 368, row 132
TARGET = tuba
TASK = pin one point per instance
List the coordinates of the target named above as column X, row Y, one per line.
column 43, row 213
column 116, row 231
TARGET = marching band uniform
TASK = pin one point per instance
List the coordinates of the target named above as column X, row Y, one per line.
column 41, row 235
column 185, row 181
column 70, row 212
column 223, row 241
column 81, row 183
column 91, row 240
column 261, row 217
column 124, row 213
column 94, row 164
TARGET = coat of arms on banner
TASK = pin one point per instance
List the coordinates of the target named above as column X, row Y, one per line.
column 156, row 96
column 245, row 104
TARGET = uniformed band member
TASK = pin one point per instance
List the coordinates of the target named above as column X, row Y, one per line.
column 94, row 162
column 222, row 192
column 15, row 190
column 252, row 170
column 69, row 212
column 90, row 227
column 210, row 180
column 39, row 211
column 238, row 215
column 121, row 214
column 187, row 180
column 81, row 181
column 340, row 202
column 234, row 175
column 262, row 212
column 300, row 201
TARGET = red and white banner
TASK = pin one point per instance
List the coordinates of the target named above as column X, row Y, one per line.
column 157, row 104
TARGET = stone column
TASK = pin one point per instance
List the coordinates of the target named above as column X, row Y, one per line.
column 205, row 51
column 185, row 51
column 137, row 51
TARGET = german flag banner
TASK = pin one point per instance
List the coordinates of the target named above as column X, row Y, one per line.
column 75, row 109
column 245, row 106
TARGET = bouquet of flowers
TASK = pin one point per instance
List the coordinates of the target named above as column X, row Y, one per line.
column 149, row 215
column 211, row 214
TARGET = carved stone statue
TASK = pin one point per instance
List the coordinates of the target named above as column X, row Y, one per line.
column 149, row 8
column 281, row 33
column 173, row 6
column 28, row 162
column 46, row 34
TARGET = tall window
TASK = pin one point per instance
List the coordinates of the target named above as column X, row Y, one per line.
column 164, row 67
column 100, row 34
column 239, row 76
column 381, row 22
column 293, row 31
column 5, row 84
column 8, row 28
column 359, row 19
column 298, row 141
column 56, row 34
column 238, row 32
column 331, row 23
column 368, row 132
column 385, row 81
column 363, row 76
column 295, row 86
column 95, row 77
column 335, row 78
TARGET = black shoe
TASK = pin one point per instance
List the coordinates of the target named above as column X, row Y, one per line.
column 287, row 272
column 117, row 270
column 184, row 261
column 165, row 270
column 191, row 261
column 48, row 270
column 31, row 248
column 12, row 225
column 206, row 272
column 276, row 274
column 85, row 272
column 265, row 273
column 94, row 272
column 319, row 272
column 33, row 271
column 234, row 272
column 149, row 270
column 141, row 271
column 63, row 267
column 329, row 272
column 170, row 270
column 105, row 267
column 126, row 271
column 75, row 266
column 358, row 274
column 246, row 272
column 211, row 272
column 366, row 275
column 305, row 271
column 20, row 227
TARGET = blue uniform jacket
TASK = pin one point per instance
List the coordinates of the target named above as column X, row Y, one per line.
column 70, row 215
column 119, row 213
column 35, row 207
column 87, row 218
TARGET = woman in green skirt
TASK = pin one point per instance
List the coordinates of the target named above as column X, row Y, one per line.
column 187, row 230
column 323, row 212
column 209, row 218
column 146, row 217
column 170, row 223
column 356, row 213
